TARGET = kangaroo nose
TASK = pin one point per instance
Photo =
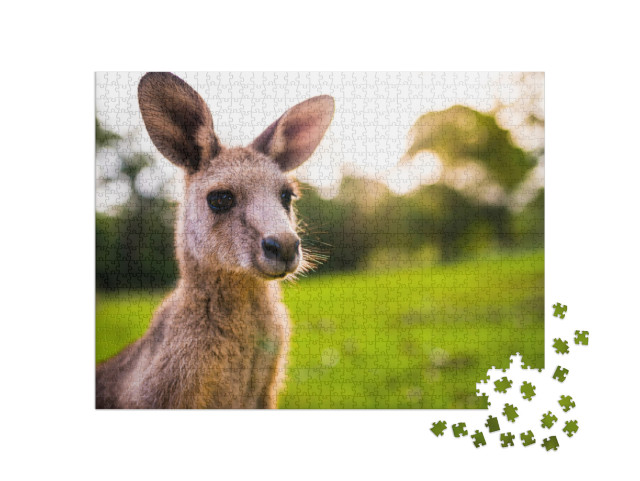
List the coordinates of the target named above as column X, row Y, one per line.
column 280, row 250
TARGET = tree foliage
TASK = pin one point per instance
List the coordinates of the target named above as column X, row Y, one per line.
column 460, row 135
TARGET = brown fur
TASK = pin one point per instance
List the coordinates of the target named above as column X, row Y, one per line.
column 220, row 339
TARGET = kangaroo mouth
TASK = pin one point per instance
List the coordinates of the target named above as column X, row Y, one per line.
column 273, row 270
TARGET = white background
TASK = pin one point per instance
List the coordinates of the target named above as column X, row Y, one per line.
column 50, row 52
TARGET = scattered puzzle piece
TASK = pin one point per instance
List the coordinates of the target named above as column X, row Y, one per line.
column 561, row 347
column 439, row 428
column 559, row 310
column 567, row 403
column 528, row 390
column 570, row 427
column 548, row 420
column 503, row 384
column 511, row 412
column 478, row 439
column 527, row 438
column 582, row 337
column 459, row 430
column 507, row 439
column 492, row 424
column 551, row 443
column 561, row 374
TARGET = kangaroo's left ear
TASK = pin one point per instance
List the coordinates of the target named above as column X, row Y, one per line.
column 292, row 138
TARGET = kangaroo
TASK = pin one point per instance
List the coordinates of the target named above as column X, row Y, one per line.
column 220, row 339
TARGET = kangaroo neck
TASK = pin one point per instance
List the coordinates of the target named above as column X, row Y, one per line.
column 226, row 294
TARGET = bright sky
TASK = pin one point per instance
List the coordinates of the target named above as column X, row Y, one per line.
column 368, row 135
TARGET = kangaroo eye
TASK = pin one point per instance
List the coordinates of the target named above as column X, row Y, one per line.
column 285, row 198
column 220, row 200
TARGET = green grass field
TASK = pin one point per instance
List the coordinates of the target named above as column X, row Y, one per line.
column 417, row 338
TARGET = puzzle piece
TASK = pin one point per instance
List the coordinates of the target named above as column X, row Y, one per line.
column 551, row 443
column 559, row 310
column 582, row 337
column 484, row 400
column 567, row 403
column 459, row 430
column 511, row 412
column 492, row 424
column 528, row 390
column 548, row 420
column 439, row 428
column 560, row 374
column 570, row 427
column 506, row 439
column 561, row 347
column 527, row 438
column 478, row 439
column 503, row 384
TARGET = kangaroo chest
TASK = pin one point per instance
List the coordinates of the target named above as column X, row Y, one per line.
column 245, row 354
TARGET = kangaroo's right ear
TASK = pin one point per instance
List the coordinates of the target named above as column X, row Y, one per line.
column 177, row 119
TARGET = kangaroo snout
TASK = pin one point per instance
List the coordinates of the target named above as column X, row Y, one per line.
column 282, row 253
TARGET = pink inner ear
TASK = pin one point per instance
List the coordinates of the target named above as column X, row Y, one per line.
column 302, row 130
column 292, row 138
column 303, row 137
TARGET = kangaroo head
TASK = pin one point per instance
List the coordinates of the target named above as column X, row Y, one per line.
column 237, row 213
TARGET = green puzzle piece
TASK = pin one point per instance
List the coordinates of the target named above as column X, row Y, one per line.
column 459, row 430
column 478, row 439
column 561, row 347
column 503, row 384
column 561, row 374
column 484, row 400
column 551, row 443
column 548, row 420
column 492, row 424
column 528, row 390
column 570, row 427
column 507, row 439
column 439, row 427
column 582, row 337
column 567, row 403
column 559, row 310
column 511, row 412
column 527, row 438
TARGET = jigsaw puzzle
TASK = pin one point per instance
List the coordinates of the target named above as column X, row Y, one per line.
column 492, row 424
column 510, row 412
column 548, row 420
column 527, row 438
column 559, row 310
column 528, row 390
column 582, row 337
column 502, row 385
column 318, row 239
column 506, row 439
column 560, row 374
column 567, row 403
column 439, row 428
column 551, row 443
column 478, row 439
column 561, row 347
column 459, row 430
column 570, row 427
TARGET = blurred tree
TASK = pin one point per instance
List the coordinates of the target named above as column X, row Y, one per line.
column 460, row 135
column 105, row 138
column 481, row 159
column 134, row 247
